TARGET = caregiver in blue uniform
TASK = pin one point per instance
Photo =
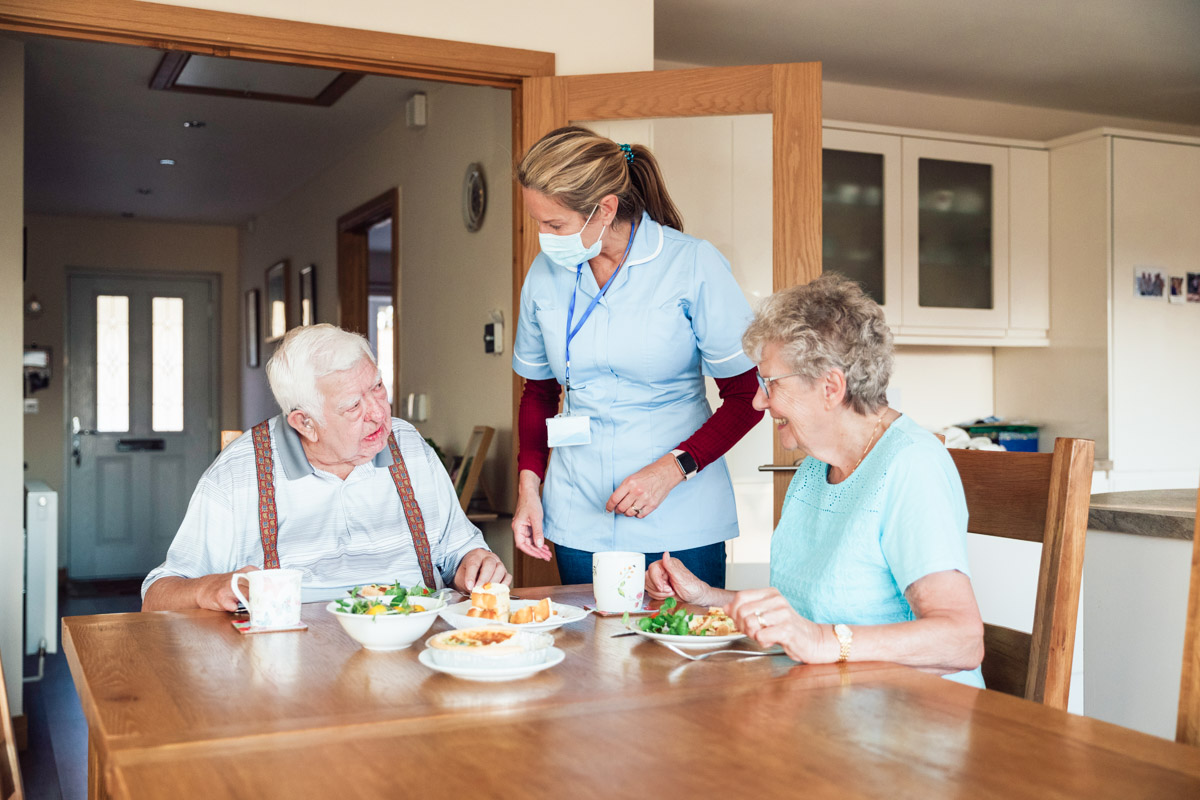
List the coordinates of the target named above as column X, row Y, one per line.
column 628, row 314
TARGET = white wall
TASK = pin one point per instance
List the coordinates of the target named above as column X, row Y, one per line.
column 617, row 36
column 12, row 539
column 56, row 244
column 450, row 278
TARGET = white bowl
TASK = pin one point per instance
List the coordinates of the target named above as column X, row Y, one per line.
column 524, row 649
column 389, row 631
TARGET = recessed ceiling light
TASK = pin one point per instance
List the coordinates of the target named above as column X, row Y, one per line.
column 194, row 123
column 144, row 191
column 167, row 162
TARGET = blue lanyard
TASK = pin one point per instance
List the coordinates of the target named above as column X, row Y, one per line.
column 591, row 306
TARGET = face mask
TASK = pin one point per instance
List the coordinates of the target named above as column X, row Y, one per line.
column 568, row 251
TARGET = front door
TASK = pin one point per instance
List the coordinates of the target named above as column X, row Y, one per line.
column 142, row 403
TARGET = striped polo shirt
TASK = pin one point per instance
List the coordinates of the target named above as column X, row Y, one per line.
column 340, row 533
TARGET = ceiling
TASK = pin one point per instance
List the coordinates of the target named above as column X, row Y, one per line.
column 95, row 132
column 1133, row 58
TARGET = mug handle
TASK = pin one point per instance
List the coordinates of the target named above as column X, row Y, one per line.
column 233, row 584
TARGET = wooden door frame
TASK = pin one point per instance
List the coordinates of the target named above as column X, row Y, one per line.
column 791, row 93
column 353, row 268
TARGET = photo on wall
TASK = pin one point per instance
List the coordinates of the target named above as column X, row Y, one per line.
column 1176, row 293
column 1193, row 287
column 1149, row 282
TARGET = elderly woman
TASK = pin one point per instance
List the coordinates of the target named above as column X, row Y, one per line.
column 869, row 560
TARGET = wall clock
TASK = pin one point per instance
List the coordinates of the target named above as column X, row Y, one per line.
column 474, row 197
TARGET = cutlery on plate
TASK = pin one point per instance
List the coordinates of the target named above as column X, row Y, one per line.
column 702, row 656
column 623, row 633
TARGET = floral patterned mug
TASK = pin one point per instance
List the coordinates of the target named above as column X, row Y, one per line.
column 618, row 580
column 274, row 596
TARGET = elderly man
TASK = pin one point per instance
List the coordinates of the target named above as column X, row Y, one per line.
column 333, row 486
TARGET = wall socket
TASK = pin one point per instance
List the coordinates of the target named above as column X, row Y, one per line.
column 31, row 405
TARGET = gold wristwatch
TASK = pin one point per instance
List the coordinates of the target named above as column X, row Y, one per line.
column 845, row 638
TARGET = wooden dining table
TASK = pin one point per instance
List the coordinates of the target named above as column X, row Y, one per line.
column 181, row 705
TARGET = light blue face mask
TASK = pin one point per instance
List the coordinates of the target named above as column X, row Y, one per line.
column 568, row 250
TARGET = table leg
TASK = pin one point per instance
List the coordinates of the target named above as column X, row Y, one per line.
column 97, row 786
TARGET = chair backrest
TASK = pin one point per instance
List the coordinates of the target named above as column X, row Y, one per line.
column 467, row 477
column 228, row 437
column 1188, row 728
column 1036, row 497
column 10, row 769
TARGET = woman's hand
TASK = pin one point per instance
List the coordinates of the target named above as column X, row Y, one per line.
column 644, row 490
column 670, row 578
column 767, row 618
column 527, row 519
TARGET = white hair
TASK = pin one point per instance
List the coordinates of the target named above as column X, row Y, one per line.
column 307, row 354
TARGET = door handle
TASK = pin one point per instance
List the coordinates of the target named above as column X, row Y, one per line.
column 76, row 431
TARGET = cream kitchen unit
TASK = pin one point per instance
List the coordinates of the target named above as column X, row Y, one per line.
column 950, row 233
column 1121, row 369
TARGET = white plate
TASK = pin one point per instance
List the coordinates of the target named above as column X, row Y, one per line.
column 553, row 656
column 690, row 642
column 560, row 614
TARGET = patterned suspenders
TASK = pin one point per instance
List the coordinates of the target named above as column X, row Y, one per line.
column 268, row 519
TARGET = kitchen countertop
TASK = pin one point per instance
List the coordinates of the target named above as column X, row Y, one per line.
column 1165, row 513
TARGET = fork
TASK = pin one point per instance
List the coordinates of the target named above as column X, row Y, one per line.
column 702, row 656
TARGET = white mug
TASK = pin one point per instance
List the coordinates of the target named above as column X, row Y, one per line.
column 274, row 596
column 618, row 580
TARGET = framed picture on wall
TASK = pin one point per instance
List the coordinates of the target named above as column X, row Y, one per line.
column 252, row 328
column 276, row 310
column 308, row 295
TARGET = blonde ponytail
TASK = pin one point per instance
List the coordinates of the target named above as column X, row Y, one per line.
column 577, row 167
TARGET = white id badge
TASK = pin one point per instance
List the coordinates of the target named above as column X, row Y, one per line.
column 564, row 431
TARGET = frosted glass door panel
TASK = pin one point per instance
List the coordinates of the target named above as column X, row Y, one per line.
column 955, row 207
column 166, row 324
column 852, row 204
column 112, row 363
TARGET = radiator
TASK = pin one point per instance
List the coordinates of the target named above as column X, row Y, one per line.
column 41, row 567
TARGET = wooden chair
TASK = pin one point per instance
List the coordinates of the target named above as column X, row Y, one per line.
column 467, row 476
column 1187, row 729
column 10, row 768
column 1036, row 497
column 228, row 437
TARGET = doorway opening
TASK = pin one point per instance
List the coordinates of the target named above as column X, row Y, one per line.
column 369, row 280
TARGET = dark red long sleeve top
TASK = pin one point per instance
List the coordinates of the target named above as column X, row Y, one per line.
column 729, row 423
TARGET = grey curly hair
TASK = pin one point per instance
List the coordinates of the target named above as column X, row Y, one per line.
column 828, row 324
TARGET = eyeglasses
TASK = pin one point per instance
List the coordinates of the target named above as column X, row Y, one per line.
column 765, row 383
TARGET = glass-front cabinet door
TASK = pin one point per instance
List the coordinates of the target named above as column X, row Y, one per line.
column 956, row 237
column 861, row 231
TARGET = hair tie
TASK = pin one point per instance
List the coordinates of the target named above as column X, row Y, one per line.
column 628, row 151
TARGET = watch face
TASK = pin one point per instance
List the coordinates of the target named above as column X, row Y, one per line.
column 686, row 462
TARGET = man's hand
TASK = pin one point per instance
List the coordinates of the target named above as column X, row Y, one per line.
column 210, row 591
column 478, row 567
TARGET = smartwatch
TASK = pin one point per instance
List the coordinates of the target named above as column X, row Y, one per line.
column 687, row 465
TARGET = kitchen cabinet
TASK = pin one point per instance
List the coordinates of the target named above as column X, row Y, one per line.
column 1120, row 368
column 949, row 234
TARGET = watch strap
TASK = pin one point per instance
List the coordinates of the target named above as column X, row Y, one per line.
column 845, row 638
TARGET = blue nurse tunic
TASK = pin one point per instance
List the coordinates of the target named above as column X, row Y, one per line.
column 673, row 314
